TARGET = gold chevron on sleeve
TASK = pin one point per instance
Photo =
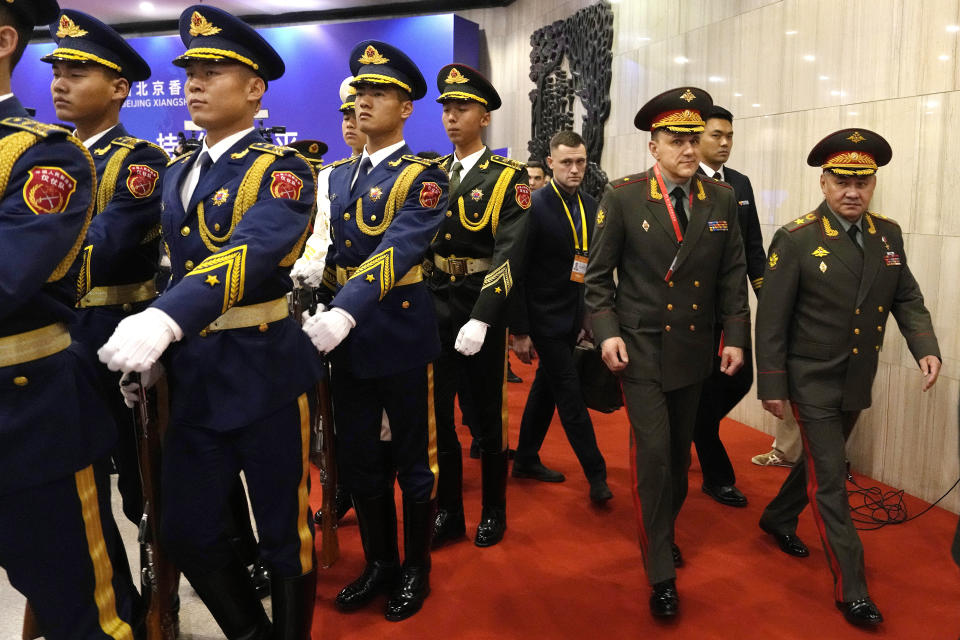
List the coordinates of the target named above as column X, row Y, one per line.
column 493, row 278
column 234, row 262
column 382, row 262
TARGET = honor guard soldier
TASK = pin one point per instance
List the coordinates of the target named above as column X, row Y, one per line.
column 312, row 151
column 674, row 240
column 59, row 544
column 240, row 370
column 93, row 69
column 833, row 276
column 474, row 259
column 385, row 206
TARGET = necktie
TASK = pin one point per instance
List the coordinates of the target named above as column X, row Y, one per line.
column 363, row 169
column 680, row 211
column 852, row 232
column 455, row 176
column 717, row 176
column 205, row 163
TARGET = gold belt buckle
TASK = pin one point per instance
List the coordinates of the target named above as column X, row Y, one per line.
column 458, row 266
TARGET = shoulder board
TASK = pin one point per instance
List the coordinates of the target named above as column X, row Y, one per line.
column 801, row 222
column 444, row 160
column 39, row 129
column 874, row 214
column 182, row 156
column 622, row 182
column 508, row 162
column 714, row 181
column 339, row 162
column 265, row 147
column 424, row 161
column 136, row 143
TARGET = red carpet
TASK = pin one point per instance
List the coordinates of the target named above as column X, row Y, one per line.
column 569, row 570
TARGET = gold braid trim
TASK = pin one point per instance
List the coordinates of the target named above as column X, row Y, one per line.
column 494, row 204
column 828, row 229
column 246, row 197
column 382, row 261
column 235, row 262
column 500, row 273
column 83, row 278
column 398, row 195
column 655, row 191
column 872, row 230
column 108, row 181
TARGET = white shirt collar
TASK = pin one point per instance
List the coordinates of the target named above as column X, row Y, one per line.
column 6, row 96
column 224, row 145
column 95, row 138
column 379, row 156
column 707, row 170
column 468, row 162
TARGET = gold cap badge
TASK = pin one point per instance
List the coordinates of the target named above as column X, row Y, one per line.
column 69, row 29
column 200, row 26
column 372, row 56
column 856, row 137
column 314, row 148
column 455, row 77
column 688, row 96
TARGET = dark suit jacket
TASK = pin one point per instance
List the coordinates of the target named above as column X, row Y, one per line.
column 551, row 304
column 749, row 225
column 668, row 326
column 823, row 312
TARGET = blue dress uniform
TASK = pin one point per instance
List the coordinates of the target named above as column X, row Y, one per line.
column 241, row 378
column 118, row 262
column 381, row 227
column 58, row 539
column 474, row 260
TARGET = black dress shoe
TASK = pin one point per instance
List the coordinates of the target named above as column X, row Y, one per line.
column 408, row 599
column 599, row 491
column 536, row 471
column 448, row 527
column 664, row 601
column 492, row 527
column 790, row 544
column 512, row 377
column 260, row 575
column 862, row 612
column 677, row 556
column 726, row 494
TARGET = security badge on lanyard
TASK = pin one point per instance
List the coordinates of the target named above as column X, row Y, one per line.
column 580, row 254
column 673, row 218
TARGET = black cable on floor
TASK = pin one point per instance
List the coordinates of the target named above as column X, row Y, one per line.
column 875, row 508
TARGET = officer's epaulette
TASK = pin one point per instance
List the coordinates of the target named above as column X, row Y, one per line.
column 266, row 147
column 39, row 129
column 339, row 162
column 874, row 214
column 714, row 181
column 427, row 162
column 801, row 222
column 135, row 143
column 182, row 156
column 444, row 160
column 622, row 182
column 509, row 162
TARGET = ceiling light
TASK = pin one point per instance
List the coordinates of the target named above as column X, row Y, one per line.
column 931, row 104
column 837, row 92
column 643, row 39
column 755, row 104
column 953, row 28
column 147, row 7
column 738, row 95
column 791, row 32
column 824, row 77
column 681, row 60
column 852, row 113
column 809, row 57
column 715, row 79
column 943, row 57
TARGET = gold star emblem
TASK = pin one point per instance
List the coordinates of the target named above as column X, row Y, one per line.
column 221, row 196
column 476, row 195
column 820, row 252
column 372, row 56
column 688, row 96
column 200, row 26
column 314, row 148
column 498, row 290
column 69, row 29
column 370, row 277
column 799, row 221
column 455, row 77
column 856, row 137
column 212, row 280
column 376, row 193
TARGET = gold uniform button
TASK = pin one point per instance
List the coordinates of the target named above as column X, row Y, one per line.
column 346, row 216
column 263, row 327
column 855, row 351
column 670, row 284
column 127, row 307
column 693, row 328
column 880, row 328
column 216, row 226
column 669, row 307
column 880, row 309
column 406, row 304
column 856, row 332
column 185, row 231
column 449, row 213
column 666, row 328
column 447, row 236
column 188, row 264
column 21, row 381
column 696, row 283
column 695, row 307
column 453, row 278
column 347, row 243
column 203, row 333
column 857, row 311
column 877, row 347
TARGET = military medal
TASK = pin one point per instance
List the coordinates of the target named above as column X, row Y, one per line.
column 645, row 225
column 376, row 193
column 221, row 196
column 476, row 195
column 823, row 267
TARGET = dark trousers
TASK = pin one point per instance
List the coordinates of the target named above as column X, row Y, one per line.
column 359, row 404
column 720, row 395
column 819, row 479
column 661, row 429
column 61, row 549
column 557, row 385
column 200, row 469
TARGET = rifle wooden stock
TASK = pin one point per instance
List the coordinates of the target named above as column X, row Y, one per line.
column 324, row 457
column 31, row 628
column 159, row 577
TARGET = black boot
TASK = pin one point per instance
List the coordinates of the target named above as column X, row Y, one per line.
column 493, row 517
column 293, row 600
column 229, row 595
column 449, row 525
column 418, row 519
column 377, row 518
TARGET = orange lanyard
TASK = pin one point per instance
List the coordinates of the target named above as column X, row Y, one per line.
column 669, row 202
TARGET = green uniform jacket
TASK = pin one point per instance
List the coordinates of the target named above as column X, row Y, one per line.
column 486, row 219
column 823, row 310
column 668, row 326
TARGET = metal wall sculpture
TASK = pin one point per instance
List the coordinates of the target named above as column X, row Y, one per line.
column 585, row 41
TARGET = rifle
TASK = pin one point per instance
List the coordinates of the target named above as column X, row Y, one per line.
column 31, row 627
column 158, row 575
column 322, row 453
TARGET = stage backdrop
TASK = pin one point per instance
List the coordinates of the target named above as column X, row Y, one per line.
column 305, row 99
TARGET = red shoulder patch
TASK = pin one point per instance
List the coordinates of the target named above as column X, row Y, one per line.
column 48, row 190
column 286, row 185
column 430, row 195
column 142, row 180
column 523, row 196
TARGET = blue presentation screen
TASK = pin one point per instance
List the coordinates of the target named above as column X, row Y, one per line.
column 305, row 100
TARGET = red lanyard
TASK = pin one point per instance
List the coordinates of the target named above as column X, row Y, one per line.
column 667, row 201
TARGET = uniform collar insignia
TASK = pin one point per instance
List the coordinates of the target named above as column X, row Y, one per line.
column 200, row 26
column 820, row 252
column 395, row 163
column 102, row 151
column 69, row 29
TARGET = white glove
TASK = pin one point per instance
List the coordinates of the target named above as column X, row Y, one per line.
column 130, row 389
column 328, row 329
column 138, row 341
column 308, row 272
column 471, row 336
column 306, row 315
